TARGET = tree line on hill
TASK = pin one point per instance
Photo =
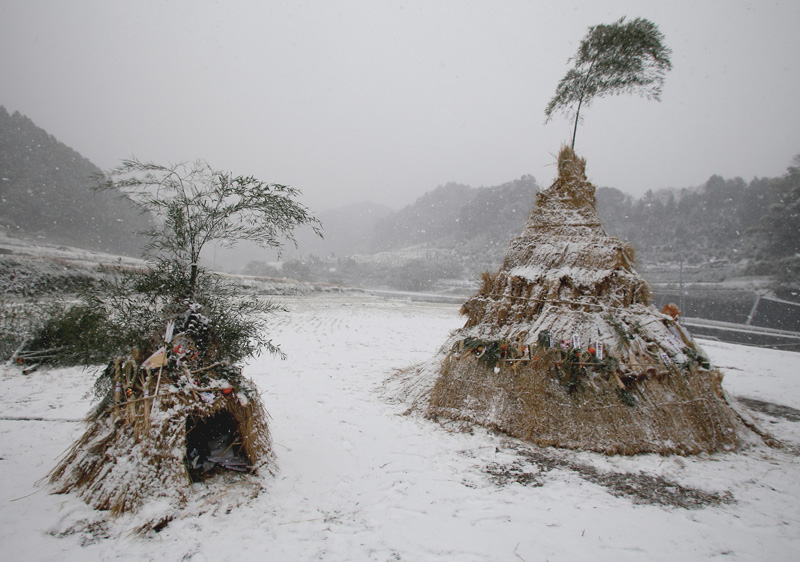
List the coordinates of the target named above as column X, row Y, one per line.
column 754, row 224
column 751, row 225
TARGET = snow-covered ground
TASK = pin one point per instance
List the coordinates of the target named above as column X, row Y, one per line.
column 42, row 249
column 359, row 480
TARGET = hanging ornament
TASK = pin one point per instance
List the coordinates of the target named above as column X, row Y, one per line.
column 576, row 341
column 671, row 310
column 183, row 346
column 599, row 348
column 169, row 330
column 673, row 343
column 156, row 360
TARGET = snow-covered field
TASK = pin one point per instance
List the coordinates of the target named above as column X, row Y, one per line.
column 359, row 480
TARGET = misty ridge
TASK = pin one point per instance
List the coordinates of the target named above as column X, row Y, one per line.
column 722, row 230
column 45, row 193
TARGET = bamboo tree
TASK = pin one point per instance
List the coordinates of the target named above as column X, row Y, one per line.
column 618, row 58
column 194, row 205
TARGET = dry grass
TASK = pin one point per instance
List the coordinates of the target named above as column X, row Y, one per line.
column 684, row 412
column 565, row 276
column 134, row 449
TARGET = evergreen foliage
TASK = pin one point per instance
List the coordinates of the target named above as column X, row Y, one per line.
column 782, row 227
column 783, row 214
column 723, row 219
column 618, row 58
column 72, row 334
column 128, row 311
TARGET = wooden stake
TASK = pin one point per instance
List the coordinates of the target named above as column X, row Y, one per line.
column 158, row 384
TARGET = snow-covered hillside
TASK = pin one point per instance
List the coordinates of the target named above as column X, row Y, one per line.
column 358, row 480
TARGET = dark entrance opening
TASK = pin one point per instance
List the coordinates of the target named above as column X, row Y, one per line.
column 213, row 443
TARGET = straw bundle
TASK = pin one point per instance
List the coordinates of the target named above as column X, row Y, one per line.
column 562, row 346
column 135, row 446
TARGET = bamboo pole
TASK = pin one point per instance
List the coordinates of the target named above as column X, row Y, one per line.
column 146, row 404
column 158, row 385
column 127, row 370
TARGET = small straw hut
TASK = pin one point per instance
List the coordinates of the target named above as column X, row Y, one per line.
column 563, row 347
column 163, row 424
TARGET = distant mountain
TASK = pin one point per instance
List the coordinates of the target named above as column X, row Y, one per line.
column 45, row 191
column 496, row 215
column 346, row 230
column 725, row 228
column 431, row 219
column 720, row 220
column 470, row 220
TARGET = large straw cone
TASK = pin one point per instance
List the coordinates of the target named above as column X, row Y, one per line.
column 653, row 392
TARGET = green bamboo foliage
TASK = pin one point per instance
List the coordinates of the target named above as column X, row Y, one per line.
column 196, row 205
column 613, row 59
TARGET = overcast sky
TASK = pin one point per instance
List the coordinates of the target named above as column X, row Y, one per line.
column 384, row 100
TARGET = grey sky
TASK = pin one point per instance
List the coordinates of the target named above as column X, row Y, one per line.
column 383, row 100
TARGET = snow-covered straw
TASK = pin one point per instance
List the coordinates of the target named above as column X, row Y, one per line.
column 134, row 449
column 526, row 361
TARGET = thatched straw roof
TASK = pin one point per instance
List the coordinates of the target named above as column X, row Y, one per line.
column 150, row 437
column 562, row 346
